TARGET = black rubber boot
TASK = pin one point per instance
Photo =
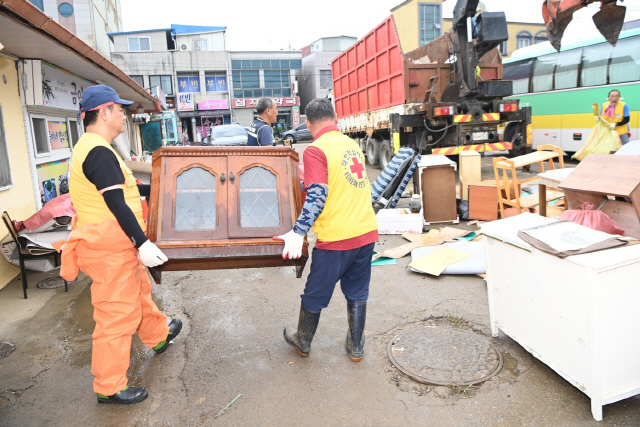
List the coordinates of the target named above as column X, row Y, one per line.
column 175, row 326
column 357, row 314
column 128, row 396
column 301, row 339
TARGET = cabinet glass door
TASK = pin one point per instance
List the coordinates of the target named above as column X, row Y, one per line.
column 259, row 199
column 198, row 211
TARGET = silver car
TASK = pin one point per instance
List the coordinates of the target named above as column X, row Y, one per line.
column 300, row 133
column 226, row 135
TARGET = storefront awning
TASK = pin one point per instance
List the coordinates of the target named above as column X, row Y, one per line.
column 28, row 33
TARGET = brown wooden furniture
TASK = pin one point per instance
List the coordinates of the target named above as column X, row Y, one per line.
column 509, row 184
column 219, row 207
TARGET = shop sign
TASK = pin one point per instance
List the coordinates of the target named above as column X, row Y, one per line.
column 216, row 84
column 188, row 84
column 295, row 116
column 288, row 101
column 213, row 104
column 185, row 102
column 60, row 89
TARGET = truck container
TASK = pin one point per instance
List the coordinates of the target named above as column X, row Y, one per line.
column 386, row 98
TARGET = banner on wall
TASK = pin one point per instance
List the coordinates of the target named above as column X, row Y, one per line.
column 58, row 136
column 61, row 89
column 53, row 179
column 216, row 84
column 213, row 104
column 185, row 102
column 295, row 116
column 188, row 84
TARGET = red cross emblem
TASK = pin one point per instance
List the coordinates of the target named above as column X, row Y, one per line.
column 357, row 167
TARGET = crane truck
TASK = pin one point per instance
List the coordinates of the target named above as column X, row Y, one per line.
column 444, row 97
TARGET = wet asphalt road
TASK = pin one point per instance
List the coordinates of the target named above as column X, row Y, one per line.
column 232, row 345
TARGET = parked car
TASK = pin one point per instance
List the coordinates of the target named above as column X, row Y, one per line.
column 226, row 135
column 300, row 133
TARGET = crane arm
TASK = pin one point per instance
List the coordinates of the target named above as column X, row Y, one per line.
column 557, row 15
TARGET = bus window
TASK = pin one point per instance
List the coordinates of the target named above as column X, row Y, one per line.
column 543, row 73
column 518, row 72
column 594, row 64
column 625, row 61
column 567, row 69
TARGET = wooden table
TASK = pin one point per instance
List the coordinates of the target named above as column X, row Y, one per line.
column 550, row 179
column 504, row 184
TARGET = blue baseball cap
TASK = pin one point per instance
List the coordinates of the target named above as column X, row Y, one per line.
column 97, row 96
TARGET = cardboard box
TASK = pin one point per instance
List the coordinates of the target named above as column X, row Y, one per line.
column 470, row 168
column 399, row 221
column 601, row 175
column 483, row 201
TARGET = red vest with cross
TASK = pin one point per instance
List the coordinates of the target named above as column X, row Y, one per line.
column 348, row 211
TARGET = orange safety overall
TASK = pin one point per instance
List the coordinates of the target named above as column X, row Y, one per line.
column 121, row 289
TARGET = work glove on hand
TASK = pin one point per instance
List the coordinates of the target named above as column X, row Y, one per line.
column 151, row 255
column 612, row 126
column 597, row 118
column 292, row 245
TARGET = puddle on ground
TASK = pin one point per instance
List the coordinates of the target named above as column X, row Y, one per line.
column 510, row 364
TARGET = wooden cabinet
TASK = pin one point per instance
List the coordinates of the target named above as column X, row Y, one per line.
column 219, row 207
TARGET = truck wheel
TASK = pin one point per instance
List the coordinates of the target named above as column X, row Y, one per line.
column 512, row 135
column 362, row 142
column 373, row 148
column 386, row 153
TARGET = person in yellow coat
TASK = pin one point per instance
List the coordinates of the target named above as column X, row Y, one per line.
column 617, row 114
column 109, row 245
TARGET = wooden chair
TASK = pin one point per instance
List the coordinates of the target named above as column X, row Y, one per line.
column 24, row 254
column 508, row 187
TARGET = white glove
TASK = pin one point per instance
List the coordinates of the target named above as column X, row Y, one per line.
column 597, row 118
column 292, row 244
column 151, row 255
column 612, row 126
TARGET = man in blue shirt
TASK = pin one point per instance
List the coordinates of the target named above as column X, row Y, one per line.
column 260, row 130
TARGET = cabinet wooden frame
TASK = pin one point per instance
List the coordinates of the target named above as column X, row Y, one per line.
column 228, row 245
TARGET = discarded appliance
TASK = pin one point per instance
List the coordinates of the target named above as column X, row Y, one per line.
column 573, row 314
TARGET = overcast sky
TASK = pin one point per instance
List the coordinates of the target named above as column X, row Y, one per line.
column 293, row 24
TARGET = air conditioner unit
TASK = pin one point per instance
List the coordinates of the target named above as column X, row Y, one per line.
column 184, row 47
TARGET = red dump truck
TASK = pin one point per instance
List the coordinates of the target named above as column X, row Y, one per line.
column 442, row 98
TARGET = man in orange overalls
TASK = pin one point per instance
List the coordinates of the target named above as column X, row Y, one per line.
column 108, row 243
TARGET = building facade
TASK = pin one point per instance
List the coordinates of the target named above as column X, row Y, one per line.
column 274, row 74
column 43, row 72
column 189, row 64
column 316, row 80
column 90, row 20
column 419, row 22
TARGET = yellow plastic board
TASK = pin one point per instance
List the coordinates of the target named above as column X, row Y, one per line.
column 436, row 261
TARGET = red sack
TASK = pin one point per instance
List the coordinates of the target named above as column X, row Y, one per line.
column 595, row 219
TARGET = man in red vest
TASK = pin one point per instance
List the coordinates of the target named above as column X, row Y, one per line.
column 338, row 206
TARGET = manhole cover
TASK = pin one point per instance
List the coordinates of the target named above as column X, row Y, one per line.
column 6, row 349
column 444, row 356
column 53, row 282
